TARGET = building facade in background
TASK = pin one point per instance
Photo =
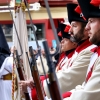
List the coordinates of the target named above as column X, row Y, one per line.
column 40, row 19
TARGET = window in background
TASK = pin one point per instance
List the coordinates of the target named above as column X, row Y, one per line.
column 39, row 32
column 8, row 30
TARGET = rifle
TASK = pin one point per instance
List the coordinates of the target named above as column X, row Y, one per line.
column 20, row 73
column 53, row 83
column 35, row 75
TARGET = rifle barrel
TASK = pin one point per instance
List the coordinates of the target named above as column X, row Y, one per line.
column 36, row 76
column 20, row 73
column 53, row 83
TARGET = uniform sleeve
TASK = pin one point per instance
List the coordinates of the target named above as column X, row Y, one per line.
column 91, row 90
column 8, row 63
column 74, row 75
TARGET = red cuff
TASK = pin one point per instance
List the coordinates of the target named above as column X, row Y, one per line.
column 34, row 94
column 42, row 78
column 67, row 94
column 33, row 91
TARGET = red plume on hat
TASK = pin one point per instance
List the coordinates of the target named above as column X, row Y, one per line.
column 79, row 11
column 67, row 28
column 59, row 34
column 95, row 3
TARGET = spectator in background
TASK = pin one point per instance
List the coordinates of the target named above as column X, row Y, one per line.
column 35, row 53
column 39, row 63
column 52, row 51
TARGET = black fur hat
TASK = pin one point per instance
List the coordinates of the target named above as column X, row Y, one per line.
column 72, row 14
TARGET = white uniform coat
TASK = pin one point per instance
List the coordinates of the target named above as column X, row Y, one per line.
column 6, row 85
column 65, row 60
column 76, row 70
column 91, row 90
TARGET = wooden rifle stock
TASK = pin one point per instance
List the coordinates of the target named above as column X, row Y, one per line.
column 53, row 87
column 53, row 83
column 36, row 76
column 20, row 73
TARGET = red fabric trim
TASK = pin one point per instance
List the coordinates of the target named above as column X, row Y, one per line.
column 67, row 28
column 89, row 74
column 43, row 87
column 33, row 91
column 83, row 46
column 96, row 49
column 70, row 54
column 60, row 34
column 34, row 94
column 67, row 94
column 42, row 78
column 62, row 55
column 78, row 9
column 95, row 3
column 60, row 65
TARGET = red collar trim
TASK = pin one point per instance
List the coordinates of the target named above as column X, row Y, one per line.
column 70, row 54
column 84, row 45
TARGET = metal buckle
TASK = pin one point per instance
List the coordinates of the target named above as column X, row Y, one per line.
column 81, row 14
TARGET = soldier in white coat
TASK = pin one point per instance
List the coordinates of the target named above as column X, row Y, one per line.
column 90, row 90
column 6, row 64
column 67, row 46
column 76, row 69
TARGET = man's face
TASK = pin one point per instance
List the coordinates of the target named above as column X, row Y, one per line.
column 66, row 45
column 76, row 31
column 93, row 28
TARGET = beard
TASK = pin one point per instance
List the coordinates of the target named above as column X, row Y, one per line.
column 95, row 38
column 72, row 39
column 79, row 35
